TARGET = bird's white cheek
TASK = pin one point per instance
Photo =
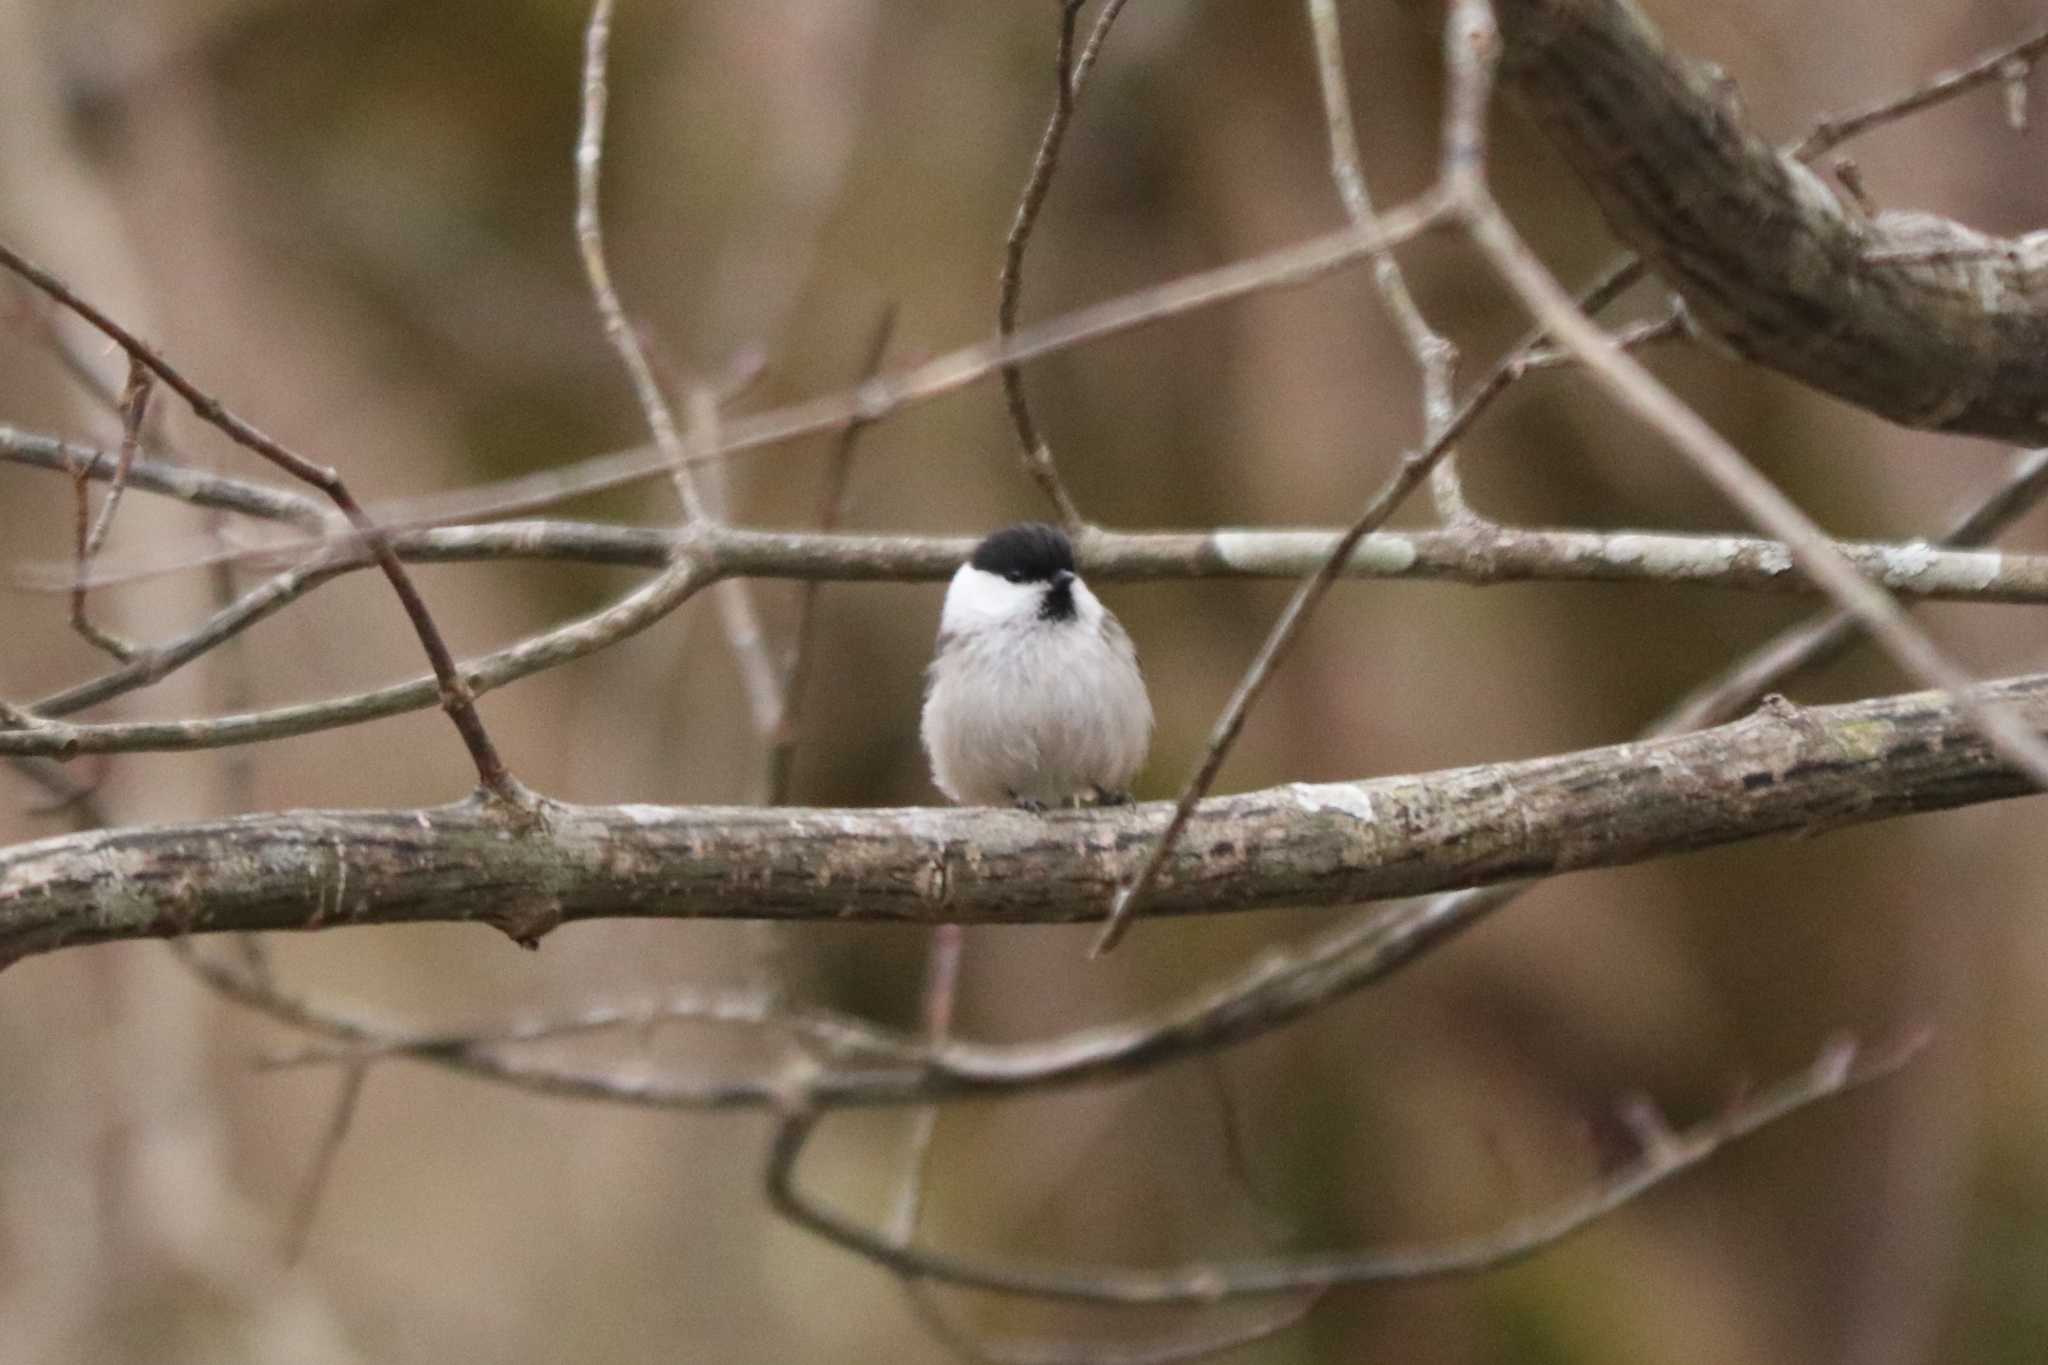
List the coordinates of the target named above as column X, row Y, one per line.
column 977, row 598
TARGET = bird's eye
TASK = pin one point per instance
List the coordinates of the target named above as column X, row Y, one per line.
column 1015, row 575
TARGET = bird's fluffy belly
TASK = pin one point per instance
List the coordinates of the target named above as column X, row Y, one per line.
column 1055, row 719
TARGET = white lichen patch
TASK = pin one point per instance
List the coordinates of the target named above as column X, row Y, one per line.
column 1385, row 554
column 1909, row 562
column 1627, row 549
column 1926, row 569
column 1773, row 559
column 1341, row 798
column 1675, row 557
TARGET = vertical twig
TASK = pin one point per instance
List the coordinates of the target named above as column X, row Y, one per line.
column 590, row 240
column 133, row 407
column 831, row 506
column 1433, row 353
column 941, row 994
column 738, row 614
column 1069, row 75
column 737, row 611
column 320, row 1174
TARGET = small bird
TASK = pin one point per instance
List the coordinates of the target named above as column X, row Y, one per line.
column 1034, row 697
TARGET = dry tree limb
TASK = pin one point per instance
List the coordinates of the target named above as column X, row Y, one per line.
column 1474, row 555
column 1764, row 254
column 1780, row 770
column 1840, row 1068
column 451, row 689
column 1279, row 989
column 1287, row 267
column 1473, row 47
column 1495, row 555
column 1492, row 555
column 26, row 733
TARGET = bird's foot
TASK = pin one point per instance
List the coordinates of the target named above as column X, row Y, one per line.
column 1110, row 798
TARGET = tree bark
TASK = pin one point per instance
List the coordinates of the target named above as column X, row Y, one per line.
column 1909, row 315
column 1779, row 770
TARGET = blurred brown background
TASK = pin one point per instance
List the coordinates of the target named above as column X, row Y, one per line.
column 352, row 221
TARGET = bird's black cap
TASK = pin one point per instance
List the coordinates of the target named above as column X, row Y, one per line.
column 1029, row 552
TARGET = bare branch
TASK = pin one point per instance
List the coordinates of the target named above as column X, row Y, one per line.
column 452, row 692
column 1473, row 46
column 1761, row 247
column 1839, row 1069
column 1284, row 268
column 1069, row 77
column 1434, row 355
column 631, row 614
column 1779, row 770
column 339, row 1120
column 1993, row 66
column 1473, row 555
column 590, row 240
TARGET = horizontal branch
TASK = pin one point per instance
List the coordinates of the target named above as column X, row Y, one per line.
column 1780, row 769
column 1909, row 315
column 1481, row 554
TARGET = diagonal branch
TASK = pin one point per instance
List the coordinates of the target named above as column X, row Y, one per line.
column 452, row 690
column 1912, row 316
column 1837, row 1070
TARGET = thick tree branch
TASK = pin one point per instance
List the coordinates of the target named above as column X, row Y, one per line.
column 1910, row 315
column 1781, row 769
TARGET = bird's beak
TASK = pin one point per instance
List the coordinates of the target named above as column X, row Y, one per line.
column 1062, row 577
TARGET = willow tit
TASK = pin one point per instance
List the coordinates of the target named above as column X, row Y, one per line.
column 1034, row 696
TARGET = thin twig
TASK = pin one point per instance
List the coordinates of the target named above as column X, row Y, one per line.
column 299, row 1229
column 1068, row 76
column 1496, row 555
column 1434, row 355
column 736, row 609
column 1840, row 1068
column 586, row 635
column 1993, row 66
column 451, row 688
column 1411, row 470
column 1473, row 47
column 1822, row 639
column 81, row 539
column 831, row 506
column 134, row 410
column 738, row 614
column 887, row 394
column 590, row 241
column 941, row 995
